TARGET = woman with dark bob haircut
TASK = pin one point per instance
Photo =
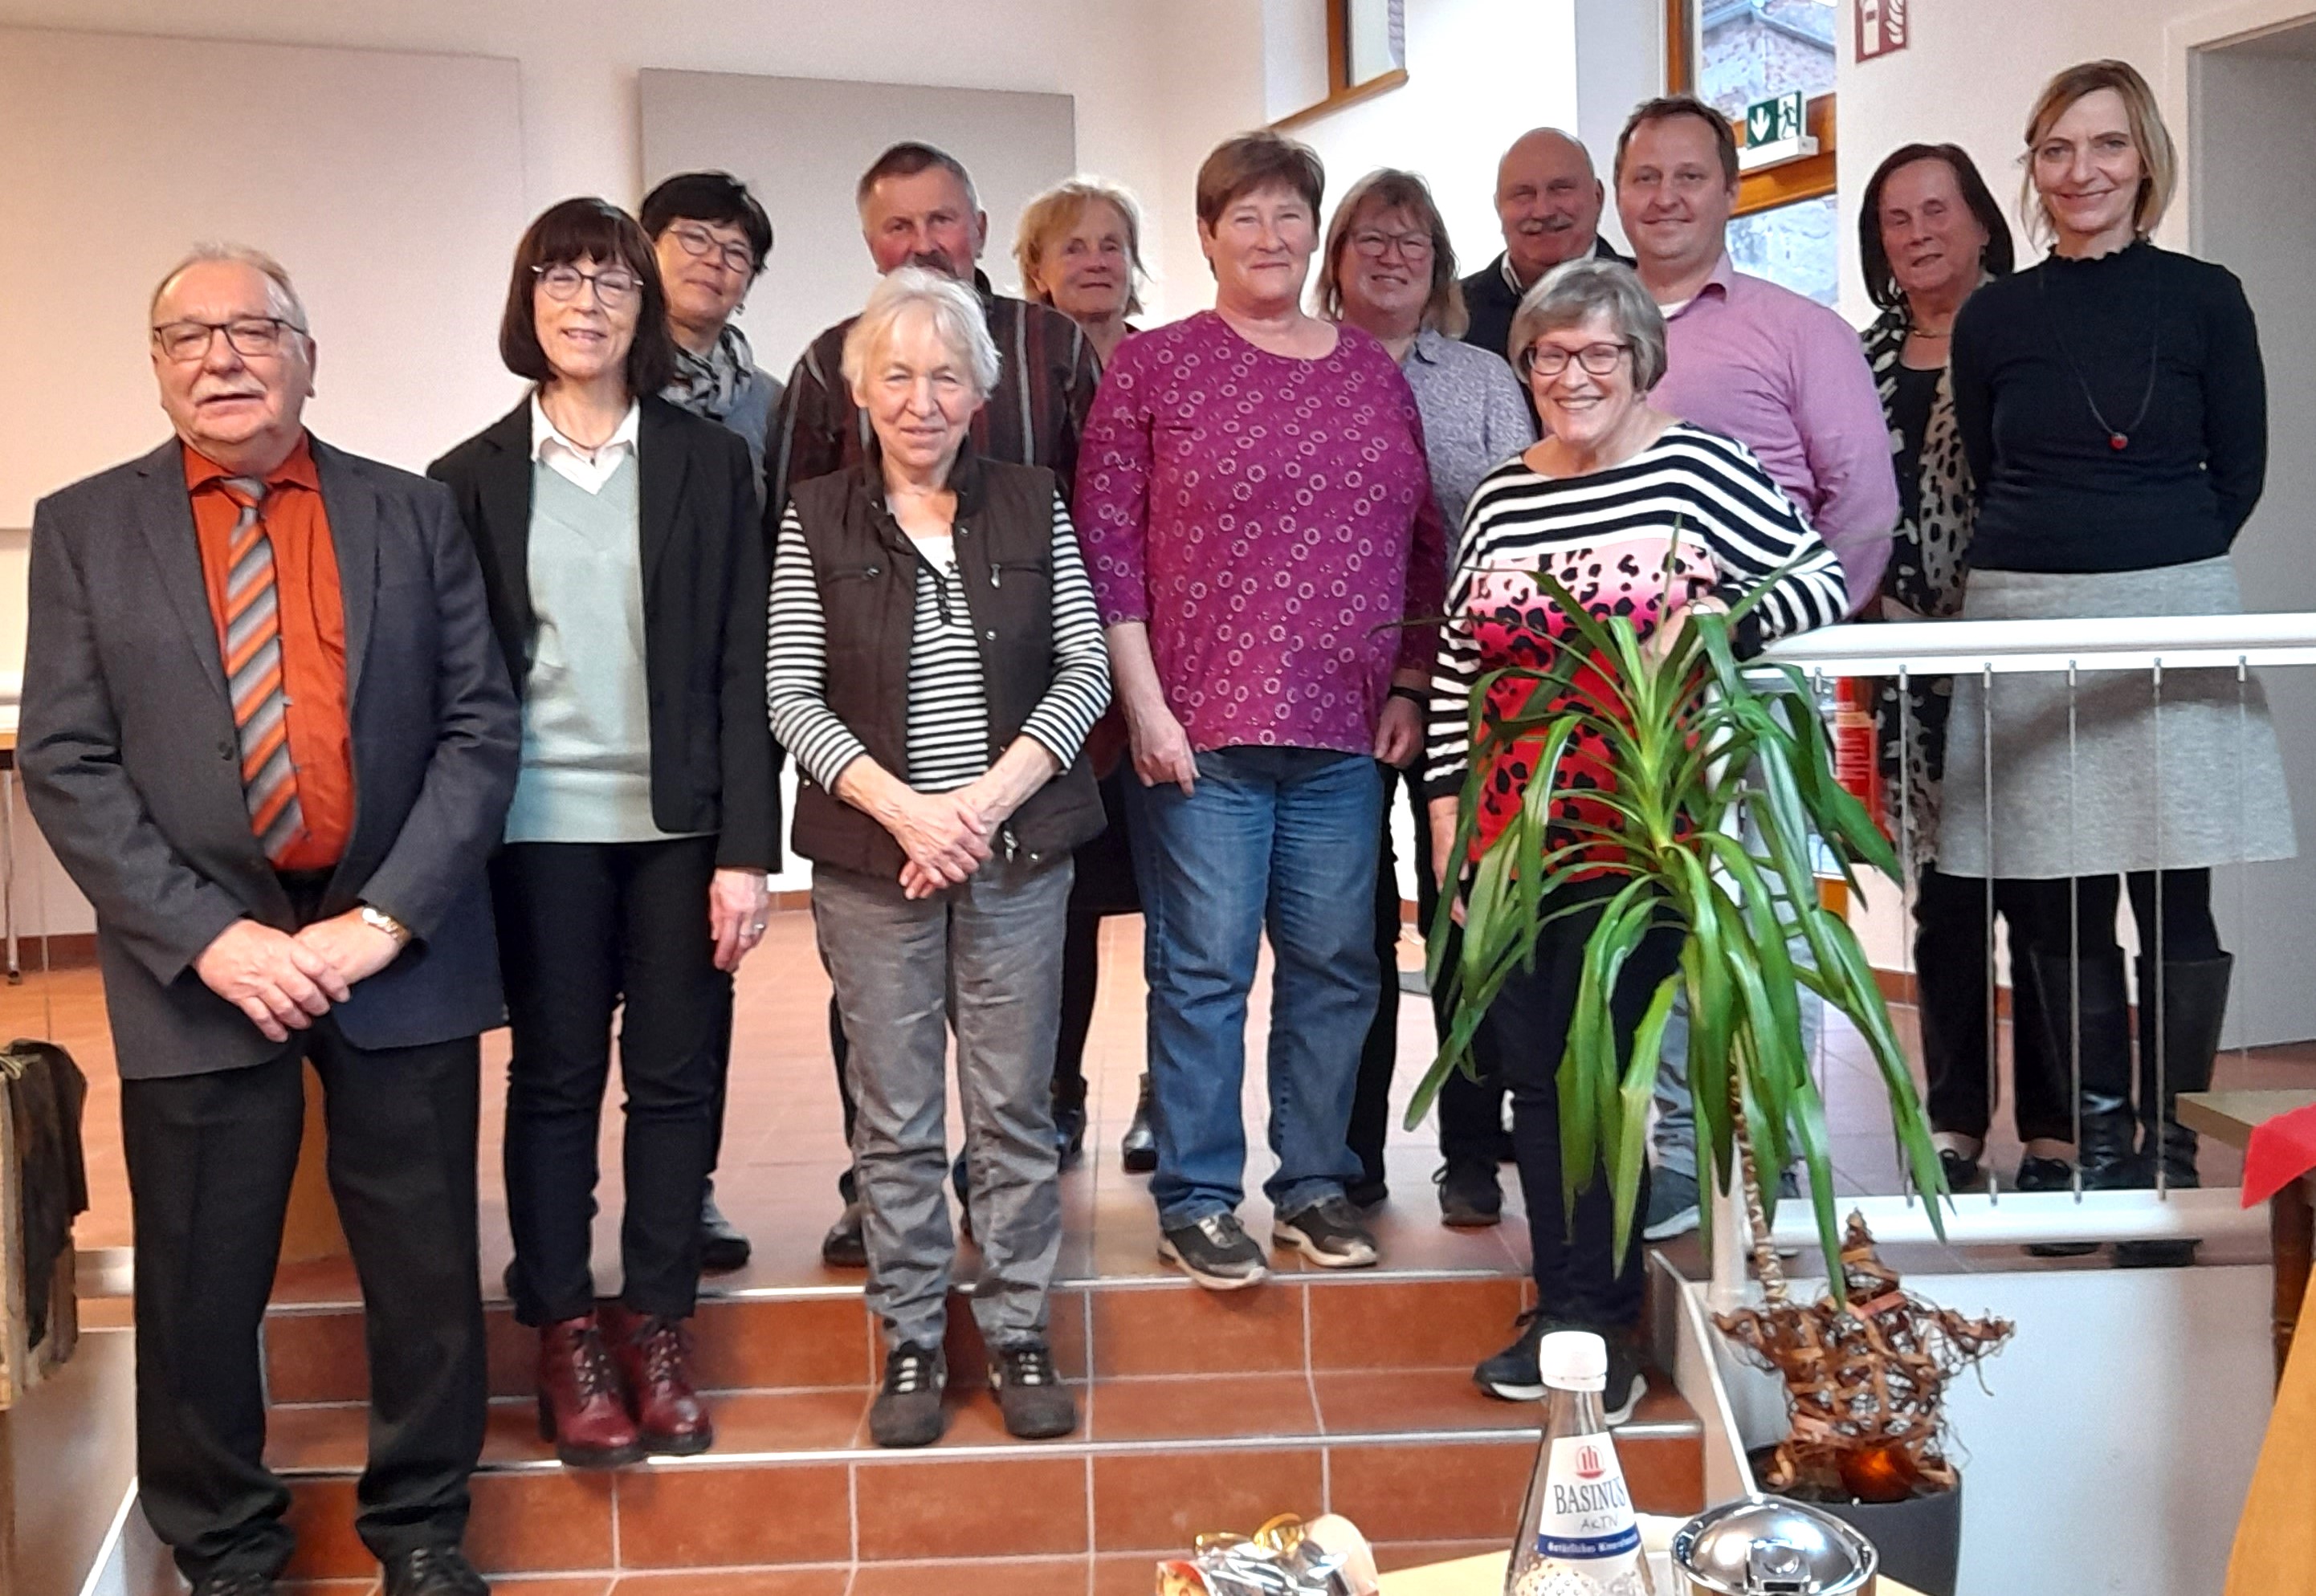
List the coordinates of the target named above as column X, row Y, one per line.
column 1928, row 236
column 627, row 583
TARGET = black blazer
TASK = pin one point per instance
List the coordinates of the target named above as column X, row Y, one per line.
column 131, row 766
column 713, row 761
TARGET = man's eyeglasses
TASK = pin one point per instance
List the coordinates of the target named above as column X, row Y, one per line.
column 699, row 243
column 1375, row 246
column 251, row 337
column 1545, row 359
column 614, row 285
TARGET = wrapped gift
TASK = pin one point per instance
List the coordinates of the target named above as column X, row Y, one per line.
column 1286, row 1558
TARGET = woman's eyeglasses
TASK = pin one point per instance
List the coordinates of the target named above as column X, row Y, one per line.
column 699, row 243
column 614, row 285
column 1375, row 246
column 1547, row 359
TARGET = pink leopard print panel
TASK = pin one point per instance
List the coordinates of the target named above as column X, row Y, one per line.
column 1513, row 618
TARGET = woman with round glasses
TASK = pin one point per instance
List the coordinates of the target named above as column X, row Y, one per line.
column 624, row 569
column 1640, row 514
column 1388, row 268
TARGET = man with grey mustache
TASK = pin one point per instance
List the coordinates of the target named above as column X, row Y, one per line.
column 1549, row 202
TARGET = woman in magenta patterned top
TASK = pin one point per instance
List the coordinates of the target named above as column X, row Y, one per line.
column 1258, row 520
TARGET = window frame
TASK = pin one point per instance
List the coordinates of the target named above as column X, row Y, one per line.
column 1811, row 178
column 1340, row 91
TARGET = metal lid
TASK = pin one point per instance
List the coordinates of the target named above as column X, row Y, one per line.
column 1766, row 1546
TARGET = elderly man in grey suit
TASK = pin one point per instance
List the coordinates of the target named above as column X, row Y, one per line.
column 266, row 729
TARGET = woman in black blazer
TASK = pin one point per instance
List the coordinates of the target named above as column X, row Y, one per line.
column 627, row 583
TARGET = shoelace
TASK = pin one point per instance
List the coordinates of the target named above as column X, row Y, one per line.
column 1218, row 1230
column 665, row 1344
column 910, row 1372
column 593, row 1370
column 1029, row 1366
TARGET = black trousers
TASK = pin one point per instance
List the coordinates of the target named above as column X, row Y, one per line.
column 210, row 1159
column 1952, row 931
column 585, row 927
column 2180, row 928
column 1579, row 1278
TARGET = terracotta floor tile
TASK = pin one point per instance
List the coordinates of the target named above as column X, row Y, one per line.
column 706, row 1517
column 1410, row 1325
column 1160, row 1500
column 1398, row 1401
column 820, row 1341
column 546, row 1522
column 1030, row 1506
column 1125, row 1573
column 1026, row 1576
column 553, row 1584
column 1184, row 1330
column 322, row 1517
column 1394, row 1555
column 317, row 1357
column 780, row 1582
column 787, row 1421
column 1233, row 1404
column 1465, row 1490
column 1664, row 1476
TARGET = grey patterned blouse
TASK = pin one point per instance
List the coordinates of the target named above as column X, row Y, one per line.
column 1474, row 418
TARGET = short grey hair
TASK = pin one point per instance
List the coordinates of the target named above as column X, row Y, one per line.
column 283, row 292
column 958, row 317
column 1575, row 291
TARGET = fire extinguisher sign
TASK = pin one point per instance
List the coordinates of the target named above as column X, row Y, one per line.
column 1882, row 26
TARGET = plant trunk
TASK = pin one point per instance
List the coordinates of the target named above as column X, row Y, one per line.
column 1749, row 1180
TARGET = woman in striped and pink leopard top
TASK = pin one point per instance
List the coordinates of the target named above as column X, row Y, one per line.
column 1259, row 520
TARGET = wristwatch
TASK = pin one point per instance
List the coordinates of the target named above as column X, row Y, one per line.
column 378, row 919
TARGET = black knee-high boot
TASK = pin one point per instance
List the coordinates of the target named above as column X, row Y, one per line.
column 2086, row 1009
column 2178, row 1038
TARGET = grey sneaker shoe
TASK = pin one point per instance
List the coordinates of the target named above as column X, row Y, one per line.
column 1672, row 1205
column 1031, row 1394
column 907, row 1413
column 1329, row 1233
column 1216, row 1252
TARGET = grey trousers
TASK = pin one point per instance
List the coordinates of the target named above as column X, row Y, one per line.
column 985, row 958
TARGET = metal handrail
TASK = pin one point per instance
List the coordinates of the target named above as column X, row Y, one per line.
column 2100, row 643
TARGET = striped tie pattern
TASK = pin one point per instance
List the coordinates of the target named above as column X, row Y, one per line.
column 253, row 669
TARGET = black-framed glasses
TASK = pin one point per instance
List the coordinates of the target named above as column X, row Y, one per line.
column 699, row 243
column 252, row 338
column 1547, row 359
column 614, row 285
column 1375, row 246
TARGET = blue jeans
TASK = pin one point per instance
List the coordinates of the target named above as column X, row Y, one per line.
column 1275, row 839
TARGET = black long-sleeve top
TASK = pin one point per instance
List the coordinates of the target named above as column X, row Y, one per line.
column 2054, row 493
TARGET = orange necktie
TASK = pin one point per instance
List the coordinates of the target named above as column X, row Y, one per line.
column 253, row 669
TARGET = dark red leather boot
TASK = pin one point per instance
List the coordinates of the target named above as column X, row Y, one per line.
column 655, row 1359
column 581, row 1408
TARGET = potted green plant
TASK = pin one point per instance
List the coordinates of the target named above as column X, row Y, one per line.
column 1717, row 778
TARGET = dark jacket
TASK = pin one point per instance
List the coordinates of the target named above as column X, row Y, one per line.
column 705, row 588
column 131, row 767
column 1491, row 302
column 866, row 570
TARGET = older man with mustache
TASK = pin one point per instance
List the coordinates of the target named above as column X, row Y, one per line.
column 918, row 207
column 1549, row 202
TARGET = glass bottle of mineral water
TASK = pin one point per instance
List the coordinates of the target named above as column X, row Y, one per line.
column 1578, row 1536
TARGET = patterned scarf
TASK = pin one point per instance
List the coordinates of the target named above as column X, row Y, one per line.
column 710, row 385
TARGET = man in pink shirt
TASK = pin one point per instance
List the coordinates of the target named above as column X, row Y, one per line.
column 1781, row 374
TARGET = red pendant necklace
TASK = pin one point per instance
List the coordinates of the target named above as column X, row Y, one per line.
column 2118, row 438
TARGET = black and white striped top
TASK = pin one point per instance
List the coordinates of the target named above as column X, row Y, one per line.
column 949, row 706
column 1694, row 499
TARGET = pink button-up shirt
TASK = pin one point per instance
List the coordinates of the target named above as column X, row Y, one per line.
column 1786, row 377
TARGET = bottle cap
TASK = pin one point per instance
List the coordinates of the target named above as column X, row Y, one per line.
column 1575, row 1361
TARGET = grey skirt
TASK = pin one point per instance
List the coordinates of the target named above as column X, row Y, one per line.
column 2187, row 780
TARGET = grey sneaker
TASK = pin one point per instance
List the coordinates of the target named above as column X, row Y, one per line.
column 1329, row 1233
column 907, row 1413
column 1672, row 1205
column 1216, row 1252
column 1031, row 1394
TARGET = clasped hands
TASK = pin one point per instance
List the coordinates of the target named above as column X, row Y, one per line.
column 946, row 836
column 285, row 982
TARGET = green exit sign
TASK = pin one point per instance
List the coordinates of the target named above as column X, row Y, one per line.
column 1773, row 121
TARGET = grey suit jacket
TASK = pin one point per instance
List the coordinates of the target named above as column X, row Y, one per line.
column 125, row 743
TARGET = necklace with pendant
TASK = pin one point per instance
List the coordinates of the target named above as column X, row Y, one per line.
column 2118, row 438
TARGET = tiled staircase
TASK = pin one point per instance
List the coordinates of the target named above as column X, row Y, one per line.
column 1343, row 1393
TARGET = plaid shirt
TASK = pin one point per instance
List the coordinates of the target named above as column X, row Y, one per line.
column 1035, row 417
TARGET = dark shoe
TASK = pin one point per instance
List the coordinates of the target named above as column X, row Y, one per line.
column 236, row 1581
column 2194, row 1004
column 655, row 1359
column 1672, row 1206
column 433, row 1571
column 908, row 1412
column 2086, row 1010
column 1216, row 1252
column 1037, row 1405
column 844, row 1247
column 1626, row 1385
column 1470, row 1196
column 1329, row 1233
column 2168, row 1253
column 722, row 1247
column 1514, row 1375
column 1368, row 1194
column 1139, row 1149
column 580, row 1409
column 1069, row 1131
column 1959, row 1168
column 2044, row 1175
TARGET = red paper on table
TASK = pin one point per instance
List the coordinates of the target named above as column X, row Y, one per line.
column 2281, row 1150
